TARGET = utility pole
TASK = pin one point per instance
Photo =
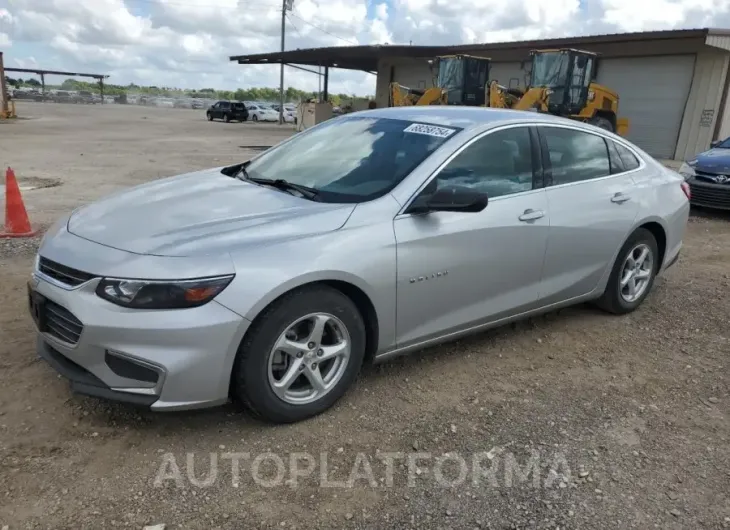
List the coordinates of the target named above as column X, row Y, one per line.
column 4, row 107
column 285, row 5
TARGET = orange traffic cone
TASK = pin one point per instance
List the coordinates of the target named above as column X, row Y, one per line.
column 17, row 223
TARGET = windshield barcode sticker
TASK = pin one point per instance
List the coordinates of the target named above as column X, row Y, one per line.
column 431, row 130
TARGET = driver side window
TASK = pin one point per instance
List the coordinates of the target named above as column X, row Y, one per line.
column 497, row 164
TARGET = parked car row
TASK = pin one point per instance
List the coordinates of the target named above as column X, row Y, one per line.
column 245, row 110
column 58, row 96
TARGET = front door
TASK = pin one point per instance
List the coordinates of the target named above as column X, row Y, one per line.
column 458, row 270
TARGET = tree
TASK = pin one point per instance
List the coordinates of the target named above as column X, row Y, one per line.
column 33, row 82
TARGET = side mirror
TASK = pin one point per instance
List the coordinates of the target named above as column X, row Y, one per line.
column 715, row 143
column 452, row 199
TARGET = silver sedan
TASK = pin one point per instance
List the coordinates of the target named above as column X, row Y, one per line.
column 370, row 235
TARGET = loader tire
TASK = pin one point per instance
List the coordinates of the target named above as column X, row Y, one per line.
column 602, row 123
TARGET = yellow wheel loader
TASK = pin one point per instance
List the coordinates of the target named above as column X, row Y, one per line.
column 462, row 80
column 560, row 83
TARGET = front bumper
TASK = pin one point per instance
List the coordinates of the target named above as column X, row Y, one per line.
column 709, row 195
column 167, row 360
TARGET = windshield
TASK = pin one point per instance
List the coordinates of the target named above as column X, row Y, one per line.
column 351, row 159
column 550, row 70
column 725, row 144
column 451, row 73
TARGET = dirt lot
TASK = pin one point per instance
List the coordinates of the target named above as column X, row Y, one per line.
column 624, row 418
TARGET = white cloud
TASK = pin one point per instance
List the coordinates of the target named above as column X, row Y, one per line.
column 187, row 42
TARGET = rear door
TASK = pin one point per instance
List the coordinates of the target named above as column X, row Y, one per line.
column 592, row 204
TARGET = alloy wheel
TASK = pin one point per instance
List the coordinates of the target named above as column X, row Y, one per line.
column 636, row 273
column 309, row 358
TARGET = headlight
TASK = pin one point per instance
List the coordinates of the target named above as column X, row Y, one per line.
column 152, row 294
column 686, row 171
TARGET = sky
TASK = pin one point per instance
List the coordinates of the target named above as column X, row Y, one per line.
column 186, row 43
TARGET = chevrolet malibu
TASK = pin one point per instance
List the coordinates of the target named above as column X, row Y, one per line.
column 370, row 235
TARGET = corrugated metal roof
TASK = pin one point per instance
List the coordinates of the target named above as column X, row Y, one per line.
column 366, row 57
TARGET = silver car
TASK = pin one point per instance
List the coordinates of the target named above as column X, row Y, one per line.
column 365, row 237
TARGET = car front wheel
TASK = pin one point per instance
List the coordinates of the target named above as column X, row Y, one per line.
column 633, row 274
column 209, row 115
column 255, row 118
column 300, row 356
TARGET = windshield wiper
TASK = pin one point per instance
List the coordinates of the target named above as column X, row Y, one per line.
column 305, row 191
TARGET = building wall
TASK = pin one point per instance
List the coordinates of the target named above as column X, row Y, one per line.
column 703, row 105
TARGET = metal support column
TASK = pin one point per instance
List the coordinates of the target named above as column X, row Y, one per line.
column 43, row 88
column 325, row 93
column 4, row 107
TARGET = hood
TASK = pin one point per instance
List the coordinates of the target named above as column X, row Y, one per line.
column 715, row 160
column 198, row 213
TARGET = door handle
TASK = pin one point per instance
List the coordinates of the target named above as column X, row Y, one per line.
column 531, row 215
column 620, row 198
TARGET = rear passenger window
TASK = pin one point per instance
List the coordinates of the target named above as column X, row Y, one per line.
column 627, row 157
column 617, row 166
column 575, row 156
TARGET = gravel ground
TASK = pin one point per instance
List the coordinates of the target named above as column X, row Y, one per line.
column 573, row 420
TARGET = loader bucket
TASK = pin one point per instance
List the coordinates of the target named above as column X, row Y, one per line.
column 622, row 126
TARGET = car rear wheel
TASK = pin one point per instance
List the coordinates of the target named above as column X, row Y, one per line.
column 300, row 356
column 633, row 274
column 227, row 117
column 255, row 118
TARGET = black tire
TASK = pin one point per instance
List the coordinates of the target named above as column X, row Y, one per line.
column 250, row 379
column 602, row 123
column 612, row 299
column 209, row 115
column 255, row 118
column 227, row 117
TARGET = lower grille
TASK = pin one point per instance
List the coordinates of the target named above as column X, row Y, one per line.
column 62, row 273
column 61, row 323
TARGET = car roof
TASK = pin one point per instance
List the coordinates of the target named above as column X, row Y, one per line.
column 462, row 116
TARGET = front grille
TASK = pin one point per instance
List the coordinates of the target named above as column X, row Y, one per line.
column 710, row 195
column 61, row 323
column 708, row 176
column 63, row 274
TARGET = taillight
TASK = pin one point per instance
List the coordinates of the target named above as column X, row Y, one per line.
column 686, row 190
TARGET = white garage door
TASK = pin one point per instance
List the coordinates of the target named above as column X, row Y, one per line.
column 652, row 94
